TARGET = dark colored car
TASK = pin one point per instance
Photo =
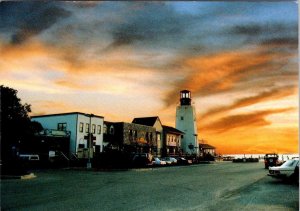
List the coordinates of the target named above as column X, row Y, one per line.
column 142, row 160
column 271, row 160
column 183, row 161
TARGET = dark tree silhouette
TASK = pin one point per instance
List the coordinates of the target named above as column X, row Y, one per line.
column 15, row 123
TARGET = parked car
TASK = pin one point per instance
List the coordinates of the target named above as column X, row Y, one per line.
column 271, row 160
column 168, row 162
column 171, row 159
column 142, row 160
column 288, row 169
column 182, row 161
column 158, row 162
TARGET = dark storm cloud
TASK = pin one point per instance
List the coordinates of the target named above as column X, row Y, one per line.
column 291, row 42
column 266, row 33
column 150, row 23
column 26, row 19
column 257, row 29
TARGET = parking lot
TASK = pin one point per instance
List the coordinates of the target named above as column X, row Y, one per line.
column 218, row 186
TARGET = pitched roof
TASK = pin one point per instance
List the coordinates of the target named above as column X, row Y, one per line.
column 149, row 121
column 206, row 146
column 171, row 130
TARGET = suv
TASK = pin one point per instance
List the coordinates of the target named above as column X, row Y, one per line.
column 142, row 160
column 271, row 160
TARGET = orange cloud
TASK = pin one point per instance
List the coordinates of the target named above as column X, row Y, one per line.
column 256, row 119
column 66, row 67
column 75, row 85
column 271, row 95
column 231, row 70
column 68, row 59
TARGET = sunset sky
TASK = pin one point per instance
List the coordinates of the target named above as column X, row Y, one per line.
column 123, row 60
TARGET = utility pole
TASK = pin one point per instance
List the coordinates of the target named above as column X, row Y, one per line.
column 89, row 164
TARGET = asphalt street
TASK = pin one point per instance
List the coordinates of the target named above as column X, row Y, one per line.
column 219, row 186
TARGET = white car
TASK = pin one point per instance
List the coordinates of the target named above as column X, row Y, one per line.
column 173, row 160
column 286, row 170
column 170, row 160
column 157, row 161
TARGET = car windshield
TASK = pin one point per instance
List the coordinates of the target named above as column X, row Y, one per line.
column 290, row 163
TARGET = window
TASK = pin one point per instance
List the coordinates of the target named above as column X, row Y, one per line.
column 104, row 129
column 93, row 128
column 81, row 127
column 99, row 129
column 62, row 126
column 111, row 130
column 87, row 127
column 80, row 145
column 181, row 117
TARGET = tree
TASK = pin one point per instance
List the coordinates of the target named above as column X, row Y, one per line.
column 15, row 121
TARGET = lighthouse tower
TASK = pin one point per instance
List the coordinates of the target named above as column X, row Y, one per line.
column 186, row 122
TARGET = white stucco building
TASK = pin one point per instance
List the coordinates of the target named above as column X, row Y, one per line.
column 79, row 125
column 187, row 123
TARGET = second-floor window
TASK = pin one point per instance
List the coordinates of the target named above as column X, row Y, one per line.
column 87, row 127
column 104, row 129
column 81, row 127
column 99, row 129
column 62, row 126
column 93, row 129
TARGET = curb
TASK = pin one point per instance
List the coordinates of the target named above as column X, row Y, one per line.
column 27, row 176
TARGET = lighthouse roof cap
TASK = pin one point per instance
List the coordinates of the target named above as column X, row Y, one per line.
column 185, row 91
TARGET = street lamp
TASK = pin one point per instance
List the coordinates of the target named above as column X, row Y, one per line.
column 89, row 164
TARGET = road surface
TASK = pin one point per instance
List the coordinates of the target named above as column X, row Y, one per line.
column 219, row 186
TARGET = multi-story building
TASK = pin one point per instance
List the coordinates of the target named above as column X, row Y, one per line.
column 79, row 125
column 171, row 141
column 129, row 137
column 156, row 123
